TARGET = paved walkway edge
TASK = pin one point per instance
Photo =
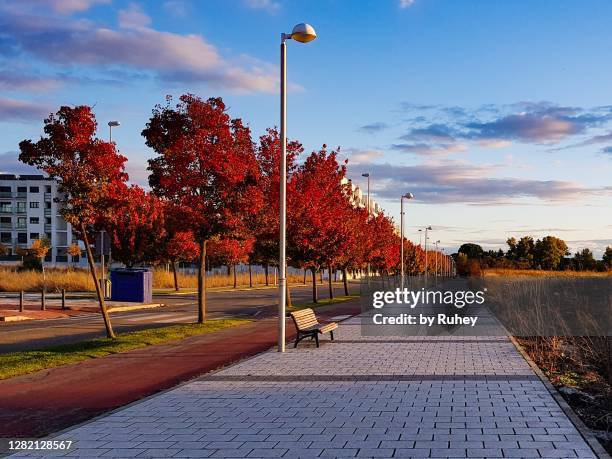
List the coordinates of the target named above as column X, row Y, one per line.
column 585, row 432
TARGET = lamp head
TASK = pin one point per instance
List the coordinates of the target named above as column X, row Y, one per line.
column 114, row 123
column 365, row 175
column 303, row 33
column 428, row 228
column 408, row 196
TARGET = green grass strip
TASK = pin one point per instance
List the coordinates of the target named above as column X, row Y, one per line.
column 24, row 362
column 323, row 302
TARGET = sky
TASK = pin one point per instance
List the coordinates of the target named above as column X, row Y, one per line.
column 497, row 116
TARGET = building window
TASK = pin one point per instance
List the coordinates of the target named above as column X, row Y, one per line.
column 21, row 207
column 34, row 236
column 47, row 220
column 5, row 207
column 22, row 238
column 5, row 189
column 34, row 189
column 21, row 222
column 5, row 238
column 34, row 220
column 22, row 189
column 47, row 204
column 5, row 220
column 48, row 189
column 34, row 205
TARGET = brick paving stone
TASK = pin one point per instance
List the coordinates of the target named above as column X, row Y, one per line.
column 370, row 397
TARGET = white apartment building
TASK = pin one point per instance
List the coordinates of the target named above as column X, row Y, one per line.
column 28, row 211
column 360, row 199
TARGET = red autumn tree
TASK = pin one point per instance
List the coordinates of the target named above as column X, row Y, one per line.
column 384, row 254
column 206, row 166
column 230, row 252
column 90, row 173
column 267, row 220
column 179, row 243
column 317, row 227
column 357, row 244
column 137, row 227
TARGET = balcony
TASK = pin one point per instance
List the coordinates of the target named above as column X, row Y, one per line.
column 6, row 226
column 47, row 212
column 6, row 194
column 21, row 195
column 6, row 210
column 20, row 210
column 48, row 197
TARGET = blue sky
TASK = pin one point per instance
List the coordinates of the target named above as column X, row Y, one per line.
column 496, row 115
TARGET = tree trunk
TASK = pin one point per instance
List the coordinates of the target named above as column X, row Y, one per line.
column 229, row 270
column 267, row 274
column 176, row 286
column 44, row 286
column 250, row 276
column 314, row 286
column 321, row 276
column 345, row 281
column 235, row 280
column 304, row 276
column 92, row 269
column 329, row 282
column 202, row 282
column 335, row 276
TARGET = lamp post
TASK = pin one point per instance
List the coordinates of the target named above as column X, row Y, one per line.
column 367, row 175
column 407, row 196
column 420, row 236
column 428, row 228
column 436, row 270
column 302, row 33
column 111, row 125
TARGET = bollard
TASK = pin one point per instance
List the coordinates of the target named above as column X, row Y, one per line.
column 63, row 298
column 43, row 306
column 21, row 301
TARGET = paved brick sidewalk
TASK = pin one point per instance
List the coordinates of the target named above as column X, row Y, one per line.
column 403, row 397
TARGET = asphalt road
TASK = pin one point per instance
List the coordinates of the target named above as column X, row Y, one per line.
column 252, row 303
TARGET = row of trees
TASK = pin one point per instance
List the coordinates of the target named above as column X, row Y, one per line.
column 214, row 193
column 548, row 253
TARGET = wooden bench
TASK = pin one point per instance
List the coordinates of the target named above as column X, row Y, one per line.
column 308, row 326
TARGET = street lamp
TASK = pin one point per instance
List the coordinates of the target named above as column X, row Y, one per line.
column 111, row 125
column 420, row 236
column 407, row 196
column 367, row 175
column 428, row 228
column 302, row 33
column 436, row 270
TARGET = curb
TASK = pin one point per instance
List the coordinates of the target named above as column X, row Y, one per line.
column 585, row 432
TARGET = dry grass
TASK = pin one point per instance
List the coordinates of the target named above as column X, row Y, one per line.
column 79, row 280
column 165, row 280
column 56, row 279
column 503, row 272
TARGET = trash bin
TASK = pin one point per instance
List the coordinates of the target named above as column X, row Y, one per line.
column 133, row 285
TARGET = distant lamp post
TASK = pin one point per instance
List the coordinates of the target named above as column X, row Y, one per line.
column 111, row 125
column 367, row 175
column 436, row 270
column 302, row 33
column 404, row 196
column 426, row 229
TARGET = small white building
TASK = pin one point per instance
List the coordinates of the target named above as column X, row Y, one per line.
column 28, row 211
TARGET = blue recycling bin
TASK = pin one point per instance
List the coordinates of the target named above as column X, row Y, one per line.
column 133, row 285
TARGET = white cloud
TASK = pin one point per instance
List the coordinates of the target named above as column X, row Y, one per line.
column 406, row 3
column 168, row 56
column 67, row 6
column 269, row 6
column 133, row 17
